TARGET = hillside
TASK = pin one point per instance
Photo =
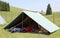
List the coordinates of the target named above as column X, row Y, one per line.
column 9, row 16
column 55, row 18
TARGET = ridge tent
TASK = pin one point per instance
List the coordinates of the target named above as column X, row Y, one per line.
column 2, row 21
column 33, row 19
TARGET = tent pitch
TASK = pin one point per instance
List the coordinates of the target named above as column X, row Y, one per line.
column 2, row 21
column 37, row 19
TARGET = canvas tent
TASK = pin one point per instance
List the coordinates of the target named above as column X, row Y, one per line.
column 2, row 21
column 35, row 19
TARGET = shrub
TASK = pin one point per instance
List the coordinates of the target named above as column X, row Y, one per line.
column 4, row 6
column 49, row 10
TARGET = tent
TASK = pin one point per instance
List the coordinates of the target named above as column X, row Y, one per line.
column 2, row 21
column 34, row 19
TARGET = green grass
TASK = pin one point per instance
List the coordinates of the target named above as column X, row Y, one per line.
column 9, row 16
column 55, row 19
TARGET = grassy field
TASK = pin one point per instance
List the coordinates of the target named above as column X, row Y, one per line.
column 9, row 16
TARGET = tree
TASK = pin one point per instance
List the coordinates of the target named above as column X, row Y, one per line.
column 49, row 10
column 4, row 6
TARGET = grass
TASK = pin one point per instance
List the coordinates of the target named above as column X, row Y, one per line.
column 55, row 19
column 9, row 16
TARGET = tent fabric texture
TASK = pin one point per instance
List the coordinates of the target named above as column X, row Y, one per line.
column 2, row 20
column 36, row 17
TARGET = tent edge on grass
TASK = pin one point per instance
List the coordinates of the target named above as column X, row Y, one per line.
column 41, row 20
column 17, row 20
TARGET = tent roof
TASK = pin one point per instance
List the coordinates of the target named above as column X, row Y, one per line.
column 41, row 20
column 2, row 21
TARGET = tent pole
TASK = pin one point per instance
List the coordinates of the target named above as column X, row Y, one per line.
column 22, row 20
column 53, row 18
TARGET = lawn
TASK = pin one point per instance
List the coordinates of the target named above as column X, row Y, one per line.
column 9, row 16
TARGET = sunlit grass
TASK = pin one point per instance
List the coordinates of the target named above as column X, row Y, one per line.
column 9, row 16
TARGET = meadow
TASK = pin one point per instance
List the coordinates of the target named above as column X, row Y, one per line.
column 14, row 12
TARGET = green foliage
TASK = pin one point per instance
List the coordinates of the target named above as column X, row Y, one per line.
column 4, row 6
column 49, row 10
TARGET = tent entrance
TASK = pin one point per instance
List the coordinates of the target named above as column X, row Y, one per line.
column 28, row 22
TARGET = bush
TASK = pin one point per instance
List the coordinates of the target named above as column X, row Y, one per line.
column 4, row 6
column 49, row 10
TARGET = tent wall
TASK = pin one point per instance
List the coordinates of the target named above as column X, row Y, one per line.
column 16, row 21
